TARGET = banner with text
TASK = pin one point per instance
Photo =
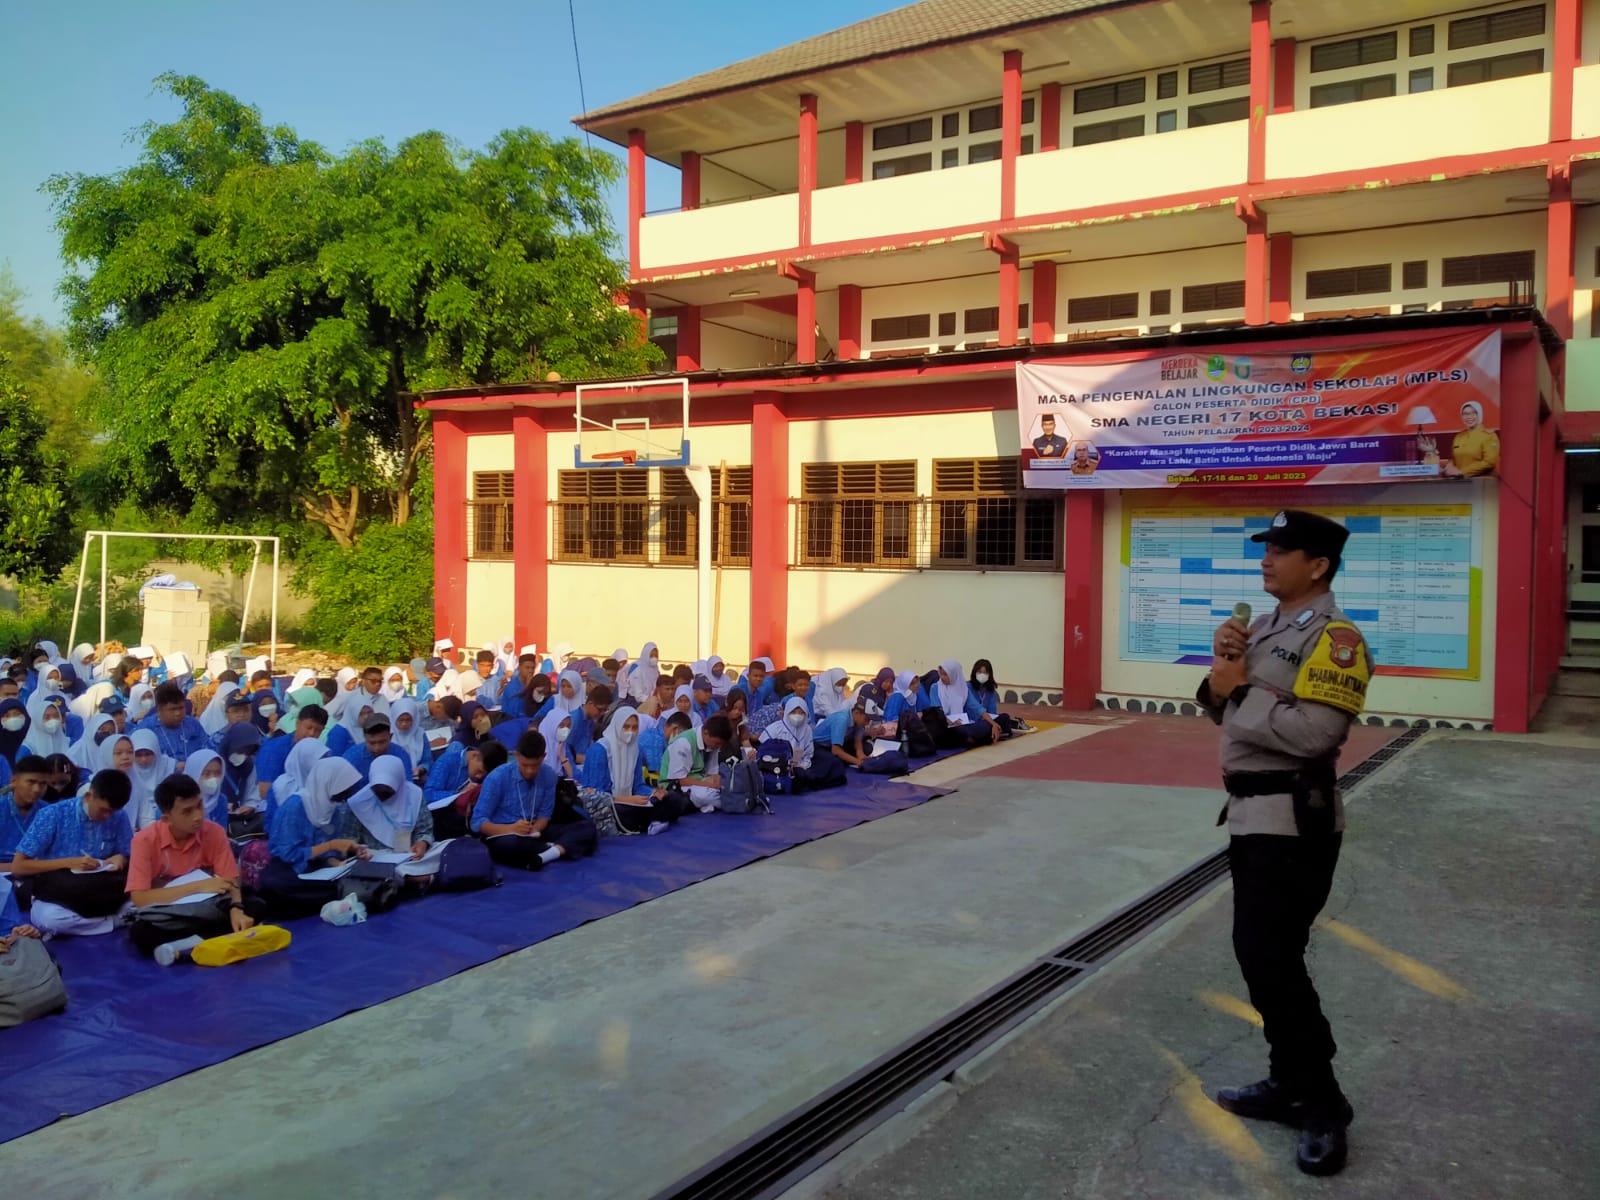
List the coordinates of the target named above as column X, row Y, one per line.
column 1358, row 414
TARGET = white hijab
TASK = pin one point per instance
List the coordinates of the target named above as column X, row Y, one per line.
column 642, row 677
column 83, row 750
column 81, row 654
column 505, row 655
column 906, row 684
column 953, row 695
column 414, row 743
column 360, row 699
column 42, row 743
column 303, row 755
column 105, row 750
column 304, row 677
column 215, row 714
column 555, row 749
column 394, row 684
column 623, row 759
column 141, row 702
column 195, row 766
column 341, row 698
column 562, row 704
column 828, row 699
column 388, row 819
column 324, row 781
column 685, row 689
column 88, row 704
column 142, row 805
column 722, row 684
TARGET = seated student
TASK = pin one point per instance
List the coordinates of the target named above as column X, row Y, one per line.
column 310, row 719
column 701, row 701
column 812, row 771
column 245, row 809
column 206, row 768
column 75, row 858
column 305, row 837
column 181, row 842
column 179, row 734
column 237, row 710
column 442, row 722
column 721, row 679
column 389, row 813
column 903, row 696
column 852, row 741
column 96, row 730
column 14, row 722
column 585, row 719
column 21, row 802
column 515, row 696
column 736, row 707
column 616, row 768
column 516, row 809
column 964, row 723
column 149, row 767
column 662, row 700
column 304, row 755
column 683, row 701
column 983, row 687
column 681, row 674
column 475, row 723
column 556, row 729
column 378, row 740
column 832, row 694
column 765, row 714
column 490, row 681
column 405, row 720
column 567, row 696
column 691, row 758
column 47, row 732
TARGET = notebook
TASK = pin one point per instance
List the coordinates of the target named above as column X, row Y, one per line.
column 329, row 873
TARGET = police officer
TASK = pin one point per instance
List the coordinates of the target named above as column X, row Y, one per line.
column 1285, row 692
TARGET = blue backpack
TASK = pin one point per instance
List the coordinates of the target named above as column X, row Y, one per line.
column 465, row 866
column 774, row 757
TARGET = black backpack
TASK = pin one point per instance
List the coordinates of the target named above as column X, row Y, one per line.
column 915, row 736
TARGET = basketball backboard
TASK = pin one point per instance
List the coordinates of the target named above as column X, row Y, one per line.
column 632, row 423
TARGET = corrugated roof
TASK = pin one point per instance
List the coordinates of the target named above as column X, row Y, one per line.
column 916, row 26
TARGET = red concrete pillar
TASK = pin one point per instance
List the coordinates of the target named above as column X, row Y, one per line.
column 1512, row 643
column 450, row 497
column 849, row 321
column 1280, row 277
column 530, row 527
column 1559, row 265
column 1260, row 86
column 1283, row 66
column 1010, row 297
column 639, row 310
column 805, row 320
column 1050, row 117
column 1568, row 52
column 1552, row 583
column 689, row 169
column 769, row 528
column 1255, row 269
column 635, row 196
column 1080, row 659
column 807, row 164
column 854, row 152
column 689, row 338
column 1010, row 145
column 1042, row 308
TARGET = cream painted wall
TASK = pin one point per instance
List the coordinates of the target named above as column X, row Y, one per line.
column 722, row 348
column 490, row 452
column 1186, row 160
column 1462, row 120
column 1491, row 235
column 598, row 607
column 1457, row 698
column 722, row 231
column 939, row 296
column 1586, row 90
column 886, row 208
column 491, row 601
column 1590, row 42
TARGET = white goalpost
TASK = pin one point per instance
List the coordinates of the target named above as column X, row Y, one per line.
column 105, row 536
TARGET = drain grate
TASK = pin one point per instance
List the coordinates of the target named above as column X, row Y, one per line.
column 779, row 1156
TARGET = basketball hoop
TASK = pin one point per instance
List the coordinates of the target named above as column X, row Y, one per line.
column 626, row 457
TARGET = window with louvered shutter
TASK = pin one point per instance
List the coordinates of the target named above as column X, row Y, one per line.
column 1468, row 270
column 1120, row 306
column 981, row 516
column 981, row 320
column 857, row 514
column 603, row 515
column 1497, row 27
column 1161, row 302
column 1349, row 281
column 490, row 515
column 1213, row 297
column 1102, row 96
column 1355, row 52
column 901, row 329
column 1414, row 274
column 1216, row 76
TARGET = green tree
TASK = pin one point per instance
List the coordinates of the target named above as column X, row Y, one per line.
column 260, row 310
column 35, row 499
column 40, row 364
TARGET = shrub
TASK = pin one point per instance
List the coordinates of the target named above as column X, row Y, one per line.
column 374, row 601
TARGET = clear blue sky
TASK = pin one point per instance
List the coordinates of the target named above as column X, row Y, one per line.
column 78, row 76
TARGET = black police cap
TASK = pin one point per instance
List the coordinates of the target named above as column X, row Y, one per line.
column 1295, row 529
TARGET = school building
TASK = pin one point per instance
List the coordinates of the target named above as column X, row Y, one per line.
column 881, row 240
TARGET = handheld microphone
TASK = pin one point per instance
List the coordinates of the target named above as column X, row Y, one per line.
column 1241, row 618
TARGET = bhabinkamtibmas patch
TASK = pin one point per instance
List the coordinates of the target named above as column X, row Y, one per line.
column 1337, row 672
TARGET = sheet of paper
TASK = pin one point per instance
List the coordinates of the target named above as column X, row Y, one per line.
column 428, row 864
column 436, row 805
column 105, row 866
column 391, row 856
column 328, row 873
column 883, row 746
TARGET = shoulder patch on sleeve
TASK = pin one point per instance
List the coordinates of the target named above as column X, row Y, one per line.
column 1338, row 669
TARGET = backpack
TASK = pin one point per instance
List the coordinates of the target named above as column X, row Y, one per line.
column 915, row 735
column 30, row 983
column 743, row 789
column 374, row 884
column 465, row 866
column 775, row 759
column 253, row 859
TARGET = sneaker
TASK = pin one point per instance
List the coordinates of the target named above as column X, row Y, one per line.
column 657, row 827
column 1022, row 727
column 169, row 953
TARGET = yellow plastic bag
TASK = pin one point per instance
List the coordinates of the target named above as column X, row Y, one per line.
column 236, row 947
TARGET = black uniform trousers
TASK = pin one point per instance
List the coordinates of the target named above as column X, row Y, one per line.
column 1279, row 886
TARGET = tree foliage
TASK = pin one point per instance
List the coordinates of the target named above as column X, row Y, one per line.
column 35, row 498
column 375, row 601
column 260, row 309
column 59, row 388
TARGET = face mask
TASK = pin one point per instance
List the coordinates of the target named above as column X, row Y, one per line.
column 626, row 736
column 797, row 719
column 238, row 760
column 51, row 725
column 141, row 710
column 210, row 787
column 563, row 734
column 268, row 710
column 982, row 677
column 12, row 724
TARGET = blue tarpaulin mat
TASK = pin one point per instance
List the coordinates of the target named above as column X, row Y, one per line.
column 132, row 1024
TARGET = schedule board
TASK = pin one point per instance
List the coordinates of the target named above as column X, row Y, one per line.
column 1411, row 579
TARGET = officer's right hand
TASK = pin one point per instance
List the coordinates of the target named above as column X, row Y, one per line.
column 1228, row 641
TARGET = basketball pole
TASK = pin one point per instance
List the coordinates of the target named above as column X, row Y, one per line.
column 700, row 480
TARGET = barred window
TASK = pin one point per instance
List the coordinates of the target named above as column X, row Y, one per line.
column 603, row 515
column 490, row 514
column 983, row 517
column 679, row 517
column 857, row 514
column 731, row 488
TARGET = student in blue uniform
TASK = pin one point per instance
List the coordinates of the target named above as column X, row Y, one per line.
column 966, row 724
column 310, row 719
column 178, row 734
column 22, row 803
column 90, row 835
column 378, row 739
column 516, row 812
column 305, row 837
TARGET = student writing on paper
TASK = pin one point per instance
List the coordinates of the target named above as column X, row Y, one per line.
column 182, row 843
column 305, row 836
column 21, row 802
column 516, row 809
column 389, row 813
column 75, row 858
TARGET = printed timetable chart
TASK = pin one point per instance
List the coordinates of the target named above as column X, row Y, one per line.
column 1410, row 579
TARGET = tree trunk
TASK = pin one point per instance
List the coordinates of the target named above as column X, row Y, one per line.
column 338, row 517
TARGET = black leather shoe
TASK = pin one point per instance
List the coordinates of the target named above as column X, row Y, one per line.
column 1269, row 1100
column 1323, row 1147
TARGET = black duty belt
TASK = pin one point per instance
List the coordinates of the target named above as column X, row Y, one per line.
column 1260, row 783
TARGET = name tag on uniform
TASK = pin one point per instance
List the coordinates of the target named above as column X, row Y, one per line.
column 1304, row 619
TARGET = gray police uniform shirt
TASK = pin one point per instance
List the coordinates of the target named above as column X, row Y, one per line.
column 1308, row 669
